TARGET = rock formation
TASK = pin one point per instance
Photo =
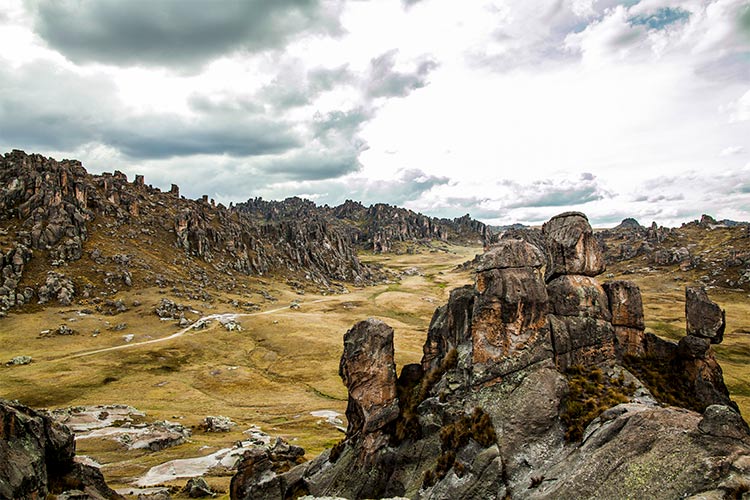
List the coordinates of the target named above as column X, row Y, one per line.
column 535, row 350
column 37, row 458
column 718, row 251
column 50, row 211
column 704, row 318
column 380, row 227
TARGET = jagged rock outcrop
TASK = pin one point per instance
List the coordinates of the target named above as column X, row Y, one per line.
column 50, row 210
column 509, row 366
column 379, row 227
column 37, row 458
column 705, row 318
column 369, row 372
column 626, row 307
column 718, row 250
column 509, row 320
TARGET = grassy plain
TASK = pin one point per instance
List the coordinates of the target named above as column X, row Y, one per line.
column 283, row 365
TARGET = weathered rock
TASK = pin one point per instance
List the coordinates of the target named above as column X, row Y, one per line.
column 626, row 306
column 704, row 317
column 723, row 421
column 632, row 456
column 450, row 327
column 197, row 487
column 19, row 361
column 509, row 322
column 269, row 474
column 57, row 286
column 512, row 338
column 582, row 333
column 581, row 341
column 572, row 246
column 690, row 347
column 625, row 303
column 580, row 296
column 369, row 373
column 510, row 253
column 217, row 424
column 36, row 457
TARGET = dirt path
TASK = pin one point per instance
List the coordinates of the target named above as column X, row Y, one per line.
column 198, row 323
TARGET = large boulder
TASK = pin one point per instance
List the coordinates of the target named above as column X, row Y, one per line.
column 704, row 317
column 37, row 457
column 369, row 373
column 626, row 306
column 580, row 321
column 509, row 322
column 571, row 246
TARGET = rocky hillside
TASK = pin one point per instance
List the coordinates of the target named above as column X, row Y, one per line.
column 67, row 234
column 537, row 382
column 717, row 253
column 379, row 227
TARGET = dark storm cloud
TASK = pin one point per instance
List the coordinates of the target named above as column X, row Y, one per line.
column 156, row 136
column 553, row 193
column 43, row 109
column 175, row 33
column 347, row 123
column 385, row 81
column 312, row 166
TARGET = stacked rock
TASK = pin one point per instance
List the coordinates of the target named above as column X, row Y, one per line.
column 580, row 317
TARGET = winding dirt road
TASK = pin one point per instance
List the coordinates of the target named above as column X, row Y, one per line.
column 198, row 323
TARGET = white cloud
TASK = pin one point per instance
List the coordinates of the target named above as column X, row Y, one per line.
column 511, row 110
column 732, row 150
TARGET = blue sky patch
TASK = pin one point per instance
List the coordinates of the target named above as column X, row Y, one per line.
column 660, row 18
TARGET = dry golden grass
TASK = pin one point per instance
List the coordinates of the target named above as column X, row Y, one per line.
column 281, row 367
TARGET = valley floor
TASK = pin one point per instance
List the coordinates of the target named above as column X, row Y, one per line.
column 282, row 366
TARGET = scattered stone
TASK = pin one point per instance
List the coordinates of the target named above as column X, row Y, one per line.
column 128, row 338
column 216, row 424
column 19, row 361
column 197, row 487
column 64, row 330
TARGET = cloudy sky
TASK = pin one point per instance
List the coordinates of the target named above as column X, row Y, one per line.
column 511, row 110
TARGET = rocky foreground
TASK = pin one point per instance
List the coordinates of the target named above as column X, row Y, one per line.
column 536, row 382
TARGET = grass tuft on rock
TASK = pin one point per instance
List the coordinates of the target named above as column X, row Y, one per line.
column 410, row 396
column 477, row 426
column 590, row 392
column 660, row 377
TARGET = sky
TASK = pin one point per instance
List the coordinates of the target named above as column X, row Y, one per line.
column 512, row 111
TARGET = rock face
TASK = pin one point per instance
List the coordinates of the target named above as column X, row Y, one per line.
column 704, row 318
column 509, row 320
column 36, row 458
column 369, row 373
column 626, row 307
column 572, row 246
column 506, row 369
